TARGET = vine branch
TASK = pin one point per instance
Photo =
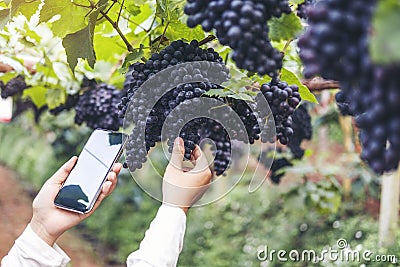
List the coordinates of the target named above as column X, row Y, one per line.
column 319, row 84
column 207, row 40
column 116, row 27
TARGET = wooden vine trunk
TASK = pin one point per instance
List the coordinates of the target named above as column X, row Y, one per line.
column 389, row 209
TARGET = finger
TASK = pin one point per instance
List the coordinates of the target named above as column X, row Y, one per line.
column 105, row 191
column 196, row 153
column 201, row 160
column 177, row 153
column 112, row 177
column 107, row 188
column 63, row 172
column 117, row 168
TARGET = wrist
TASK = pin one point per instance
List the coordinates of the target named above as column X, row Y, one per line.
column 41, row 231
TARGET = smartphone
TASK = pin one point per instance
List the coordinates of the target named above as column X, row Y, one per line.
column 83, row 185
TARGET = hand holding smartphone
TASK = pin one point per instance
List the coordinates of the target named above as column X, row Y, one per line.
column 83, row 185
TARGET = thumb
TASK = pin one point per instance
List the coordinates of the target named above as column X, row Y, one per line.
column 63, row 172
column 177, row 153
column 201, row 163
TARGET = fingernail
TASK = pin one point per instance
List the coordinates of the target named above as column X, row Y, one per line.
column 178, row 141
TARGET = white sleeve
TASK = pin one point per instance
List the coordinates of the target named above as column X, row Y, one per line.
column 30, row 250
column 163, row 241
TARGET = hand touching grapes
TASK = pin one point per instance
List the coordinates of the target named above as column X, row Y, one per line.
column 183, row 187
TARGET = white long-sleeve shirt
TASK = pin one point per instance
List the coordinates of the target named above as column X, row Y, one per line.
column 160, row 247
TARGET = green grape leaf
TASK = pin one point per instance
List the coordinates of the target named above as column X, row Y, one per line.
column 7, row 76
column 291, row 78
column 179, row 30
column 287, row 27
column 235, row 88
column 384, row 45
column 237, row 84
column 80, row 44
column 132, row 57
column 297, row 1
column 4, row 17
column 72, row 16
column 133, row 7
column 37, row 94
column 55, row 97
column 170, row 10
column 242, row 96
column 27, row 8
column 218, row 93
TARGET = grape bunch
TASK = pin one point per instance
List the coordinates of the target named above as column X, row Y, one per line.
column 193, row 128
column 330, row 47
column 13, row 87
column 302, row 8
column 302, row 130
column 167, row 91
column 176, row 52
column 242, row 25
column 379, row 122
column 369, row 92
column 342, row 105
column 175, row 103
column 223, row 150
column 279, row 163
column 97, row 106
column 283, row 100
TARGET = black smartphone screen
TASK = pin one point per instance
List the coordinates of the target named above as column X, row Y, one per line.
column 80, row 190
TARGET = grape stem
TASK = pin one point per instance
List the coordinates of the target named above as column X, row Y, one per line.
column 207, row 40
column 287, row 46
column 162, row 36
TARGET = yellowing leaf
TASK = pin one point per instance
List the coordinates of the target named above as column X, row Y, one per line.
column 179, row 30
column 72, row 15
column 27, row 8
column 80, row 44
column 4, row 17
column 55, row 97
column 37, row 94
column 291, row 78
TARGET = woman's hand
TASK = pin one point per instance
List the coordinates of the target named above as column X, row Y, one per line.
column 48, row 221
column 183, row 187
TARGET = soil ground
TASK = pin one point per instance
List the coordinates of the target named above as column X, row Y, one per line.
column 16, row 211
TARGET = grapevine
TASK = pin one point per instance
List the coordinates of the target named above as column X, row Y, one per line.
column 13, row 87
column 242, row 25
column 97, row 107
column 343, row 55
column 176, row 108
